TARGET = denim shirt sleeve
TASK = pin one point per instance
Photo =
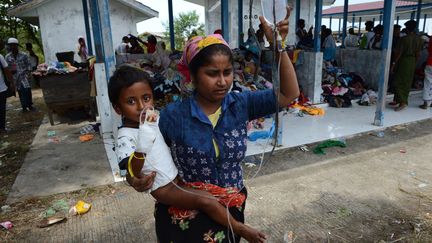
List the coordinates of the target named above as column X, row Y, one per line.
column 260, row 103
column 164, row 125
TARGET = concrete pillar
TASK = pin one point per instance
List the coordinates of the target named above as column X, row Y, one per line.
column 309, row 75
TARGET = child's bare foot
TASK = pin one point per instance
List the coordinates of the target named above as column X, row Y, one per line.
column 251, row 235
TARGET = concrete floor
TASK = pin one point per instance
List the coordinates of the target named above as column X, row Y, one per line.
column 68, row 165
column 339, row 123
column 364, row 196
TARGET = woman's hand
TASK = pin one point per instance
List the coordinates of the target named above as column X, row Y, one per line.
column 142, row 182
column 282, row 26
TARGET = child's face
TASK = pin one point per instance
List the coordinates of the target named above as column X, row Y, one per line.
column 132, row 101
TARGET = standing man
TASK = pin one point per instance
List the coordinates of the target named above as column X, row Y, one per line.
column 20, row 67
column 4, row 76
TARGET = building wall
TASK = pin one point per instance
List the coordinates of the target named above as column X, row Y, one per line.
column 213, row 18
column 62, row 21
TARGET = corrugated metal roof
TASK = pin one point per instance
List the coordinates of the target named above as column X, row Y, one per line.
column 366, row 7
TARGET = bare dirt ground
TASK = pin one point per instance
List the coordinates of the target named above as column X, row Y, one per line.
column 329, row 217
column 15, row 144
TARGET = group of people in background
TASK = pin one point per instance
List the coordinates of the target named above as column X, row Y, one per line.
column 305, row 40
column 132, row 45
column 406, row 48
column 15, row 76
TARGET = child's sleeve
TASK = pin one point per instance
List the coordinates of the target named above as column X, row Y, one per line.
column 124, row 148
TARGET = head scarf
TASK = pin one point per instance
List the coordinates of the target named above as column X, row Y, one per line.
column 192, row 48
column 198, row 43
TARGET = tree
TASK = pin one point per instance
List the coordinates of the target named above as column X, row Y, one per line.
column 14, row 27
column 185, row 25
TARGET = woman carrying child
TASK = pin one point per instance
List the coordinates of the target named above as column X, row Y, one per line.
column 207, row 136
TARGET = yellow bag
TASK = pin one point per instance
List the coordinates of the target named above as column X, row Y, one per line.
column 80, row 207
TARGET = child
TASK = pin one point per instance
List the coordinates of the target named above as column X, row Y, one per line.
column 141, row 147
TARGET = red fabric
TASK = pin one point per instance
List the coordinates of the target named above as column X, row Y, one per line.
column 229, row 197
column 151, row 48
column 429, row 60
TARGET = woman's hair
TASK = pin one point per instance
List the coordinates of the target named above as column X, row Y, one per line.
column 152, row 39
column 124, row 77
column 205, row 56
column 411, row 25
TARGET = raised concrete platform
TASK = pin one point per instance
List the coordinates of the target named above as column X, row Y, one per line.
column 339, row 123
column 68, row 165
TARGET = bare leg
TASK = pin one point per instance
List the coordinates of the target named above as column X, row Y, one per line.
column 196, row 199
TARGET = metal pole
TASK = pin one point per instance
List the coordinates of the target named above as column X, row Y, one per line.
column 105, row 58
column 381, row 17
column 397, row 20
column 240, row 20
column 345, row 19
column 97, row 31
column 224, row 18
column 389, row 12
column 419, row 5
column 298, row 5
column 373, row 20
column 87, row 27
column 360, row 22
column 353, row 21
column 171, row 24
column 102, row 34
column 330, row 27
column 424, row 23
column 412, row 15
column 339, row 28
column 318, row 16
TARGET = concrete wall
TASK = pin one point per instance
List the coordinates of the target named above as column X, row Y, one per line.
column 62, row 21
column 366, row 63
column 213, row 18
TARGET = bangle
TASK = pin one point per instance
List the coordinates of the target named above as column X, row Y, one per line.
column 129, row 167
column 138, row 157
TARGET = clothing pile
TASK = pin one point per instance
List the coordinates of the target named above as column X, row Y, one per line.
column 340, row 88
column 54, row 67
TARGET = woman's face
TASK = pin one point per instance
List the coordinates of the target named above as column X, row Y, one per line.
column 213, row 81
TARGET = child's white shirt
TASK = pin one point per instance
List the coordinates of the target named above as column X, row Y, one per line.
column 158, row 160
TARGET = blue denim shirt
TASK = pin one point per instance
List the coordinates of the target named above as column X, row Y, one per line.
column 189, row 134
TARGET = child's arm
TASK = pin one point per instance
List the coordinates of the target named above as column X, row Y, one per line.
column 196, row 199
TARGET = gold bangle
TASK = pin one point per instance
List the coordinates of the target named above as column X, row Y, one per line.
column 130, row 163
column 130, row 166
column 138, row 157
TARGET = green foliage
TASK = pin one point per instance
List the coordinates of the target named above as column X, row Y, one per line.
column 186, row 25
column 14, row 27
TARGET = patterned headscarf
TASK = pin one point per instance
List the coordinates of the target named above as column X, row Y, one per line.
column 197, row 43
column 192, row 48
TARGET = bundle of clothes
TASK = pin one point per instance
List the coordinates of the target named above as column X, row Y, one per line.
column 54, row 67
column 340, row 88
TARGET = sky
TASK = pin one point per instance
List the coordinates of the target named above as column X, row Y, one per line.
column 155, row 24
column 179, row 6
